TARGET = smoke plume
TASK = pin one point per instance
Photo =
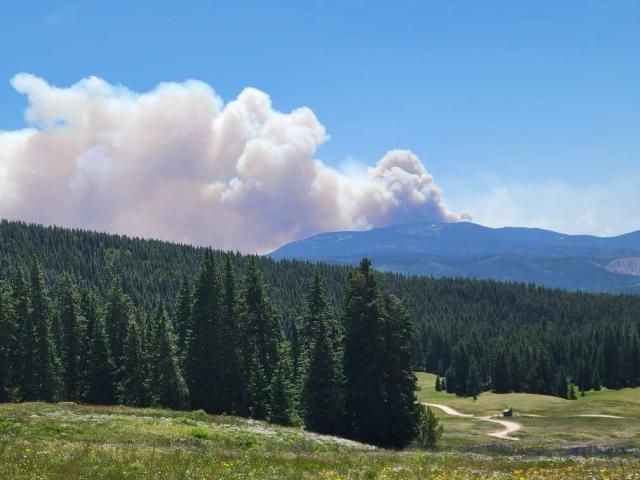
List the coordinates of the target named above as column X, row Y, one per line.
column 177, row 163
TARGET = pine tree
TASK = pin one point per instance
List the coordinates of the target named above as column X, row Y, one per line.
column 259, row 395
column 501, row 375
column 364, row 357
column 8, row 342
column 402, row 413
column 25, row 359
column 429, row 429
column 203, row 356
column 133, row 387
column 70, row 333
column 474, row 386
column 438, row 384
column 261, row 326
column 118, row 315
column 47, row 373
column 299, row 360
column 561, row 387
column 98, row 377
column 450, row 380
column 611, row 360
column 169, row 388
column 460, row 361
column 232, row 384
column 184, row 305
column 323, row 392
column 316, row 312
column 281, row 407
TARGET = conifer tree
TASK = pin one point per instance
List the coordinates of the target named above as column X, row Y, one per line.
column 25, row 358
column 450, row 384
column 259, row 395
column 261, row 326
column 70, row 332
column 202, row 357
column 8, row 343
column 364, row 356
column 47, row 373
column 133, row 387
column 323, row 393
column 98, row 377
column 316, row 312
column 184, row 305
column 118, row 315
column 429, row 429
column 282, row 407
column 474, row 386
column 169, row 388
column 501, row 375
column 402, row 413
column 232, row 383
column 438, row 385
column 299, row 361
column 561, row 387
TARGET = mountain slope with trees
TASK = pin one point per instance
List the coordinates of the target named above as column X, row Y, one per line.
column 108, row 319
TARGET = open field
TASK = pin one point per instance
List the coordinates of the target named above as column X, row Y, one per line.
column 547, row 422
column 67, row 441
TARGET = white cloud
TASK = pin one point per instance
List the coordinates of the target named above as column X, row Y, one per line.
column 607, row 208
column 177, row 163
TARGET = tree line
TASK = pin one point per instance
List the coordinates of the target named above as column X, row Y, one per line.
column 481, row 334
column 223, row 349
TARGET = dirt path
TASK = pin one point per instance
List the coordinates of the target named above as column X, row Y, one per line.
column 505, row 434
column 597, row 415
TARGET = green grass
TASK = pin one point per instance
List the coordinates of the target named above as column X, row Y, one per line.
column 558, row 426
column 68, row 441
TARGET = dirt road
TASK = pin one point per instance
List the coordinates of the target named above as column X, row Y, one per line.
column 505, row 434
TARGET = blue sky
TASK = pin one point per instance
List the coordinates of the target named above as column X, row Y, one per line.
column 496, row 97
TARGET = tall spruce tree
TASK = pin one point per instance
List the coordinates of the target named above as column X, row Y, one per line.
column 47, row 373
column 501, row 375
column 474, row 385
column 282, row 408
column 323, row 393
column 203, row 358
column 258, row 389
column 364, row 356
column 8, row 344
column 25, row 358
column 259, row 320
column 233, row 377
column 118, row 315
column 169, row 388
column 184, row 305
column 98, row 368
column 402, row 412
column 68, row 311
column 134, row 385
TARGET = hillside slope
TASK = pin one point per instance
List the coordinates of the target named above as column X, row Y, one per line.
column 68, row 441
column 573, row 262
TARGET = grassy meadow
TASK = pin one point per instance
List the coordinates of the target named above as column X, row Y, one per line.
column 69, row 441
column 547, row 422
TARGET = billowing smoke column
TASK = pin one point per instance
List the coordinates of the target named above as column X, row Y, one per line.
column 176, row 163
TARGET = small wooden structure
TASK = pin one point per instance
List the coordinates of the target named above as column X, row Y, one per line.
column 507, row 412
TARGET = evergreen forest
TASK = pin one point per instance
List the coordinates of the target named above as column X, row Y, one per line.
column 105, row 319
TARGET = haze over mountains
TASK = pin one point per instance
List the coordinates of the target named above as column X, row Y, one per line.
column 464, row 249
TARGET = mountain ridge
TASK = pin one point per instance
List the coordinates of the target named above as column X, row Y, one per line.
column 465, row 249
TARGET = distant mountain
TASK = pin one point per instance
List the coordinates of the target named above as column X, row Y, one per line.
column 531, row 255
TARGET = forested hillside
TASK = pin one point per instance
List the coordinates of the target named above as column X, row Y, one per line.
column 479, row 334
